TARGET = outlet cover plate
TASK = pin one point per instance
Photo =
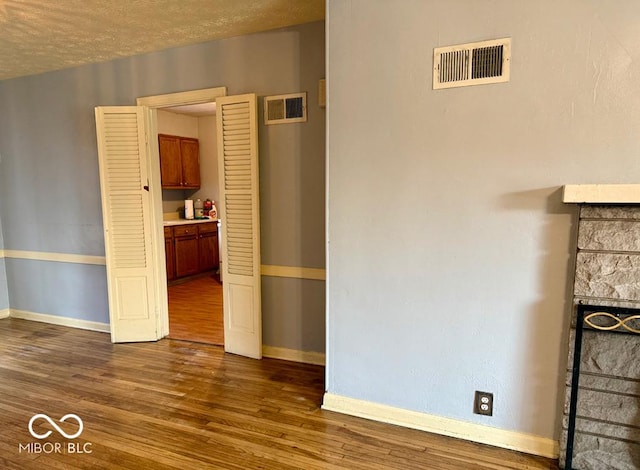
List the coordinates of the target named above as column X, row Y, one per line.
column 483, row 403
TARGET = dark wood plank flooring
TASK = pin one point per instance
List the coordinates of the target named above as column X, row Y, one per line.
column 195, row 310
column 180, row 405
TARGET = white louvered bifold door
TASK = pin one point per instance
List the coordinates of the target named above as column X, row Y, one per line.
column 122, row 153
column 240, row 215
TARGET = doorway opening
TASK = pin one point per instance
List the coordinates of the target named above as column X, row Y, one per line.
column 192, row 250
column 196, row 310
column 131, row 191
column 193, row 309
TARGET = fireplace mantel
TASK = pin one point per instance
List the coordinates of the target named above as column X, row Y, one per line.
column 601, row 193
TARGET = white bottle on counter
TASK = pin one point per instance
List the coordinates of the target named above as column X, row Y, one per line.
column 213, row 213
column 188, row 209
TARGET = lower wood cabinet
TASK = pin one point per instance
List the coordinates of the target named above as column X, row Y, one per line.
column 186, row 243
column 170, row 253
column 191, row 249
column 208, row 246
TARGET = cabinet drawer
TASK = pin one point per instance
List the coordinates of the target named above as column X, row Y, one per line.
column 168, row 233
column 185, row 230
column 208, row 227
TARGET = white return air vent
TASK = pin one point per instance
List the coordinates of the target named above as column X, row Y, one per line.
column 285, row 108
column 476, row 63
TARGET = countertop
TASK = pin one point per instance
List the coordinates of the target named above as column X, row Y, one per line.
column 170, row 223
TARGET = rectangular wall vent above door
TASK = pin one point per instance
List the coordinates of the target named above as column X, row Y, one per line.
column 285, row 108
column 477, row 63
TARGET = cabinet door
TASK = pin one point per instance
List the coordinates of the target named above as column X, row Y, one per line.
column 170, row 253
column 190, row 153
column 170, row 161
column 208, row 246
column 186, row 244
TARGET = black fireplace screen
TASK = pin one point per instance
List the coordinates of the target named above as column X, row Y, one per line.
column 598, row 319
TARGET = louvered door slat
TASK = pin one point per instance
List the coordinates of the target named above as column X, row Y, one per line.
column 238, row 126
column 235, row 114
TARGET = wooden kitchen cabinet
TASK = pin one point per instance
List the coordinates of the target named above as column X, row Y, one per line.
column 191, row 249
column 170, row 253
column 170, row 161
column 208, row 246
column 186, row 248
column 190, row 153
column 179, row 162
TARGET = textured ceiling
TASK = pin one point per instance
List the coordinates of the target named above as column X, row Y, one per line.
column 38, row 36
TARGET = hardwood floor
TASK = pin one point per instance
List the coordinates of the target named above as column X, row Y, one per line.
column 178, row 405
column 195, row 310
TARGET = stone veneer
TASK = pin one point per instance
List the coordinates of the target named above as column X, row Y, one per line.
column 607, row 274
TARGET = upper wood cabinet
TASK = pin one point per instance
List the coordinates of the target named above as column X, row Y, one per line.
column 179, row 162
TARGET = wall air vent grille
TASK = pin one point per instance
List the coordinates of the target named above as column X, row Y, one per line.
column 285, row 108
column 477, row 63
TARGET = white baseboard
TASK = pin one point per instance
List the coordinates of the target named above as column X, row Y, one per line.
column 4, row 313
column 513, row 440
column 307, row 357
column 62, row 321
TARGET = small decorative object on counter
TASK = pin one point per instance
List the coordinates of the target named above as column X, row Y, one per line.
column 208, row 204
column 199, row 211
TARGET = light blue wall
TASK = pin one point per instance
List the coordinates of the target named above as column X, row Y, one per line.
column 303, row 332
column 49, row 184
column 4, row 292
column 448, row 244
column 62, row 289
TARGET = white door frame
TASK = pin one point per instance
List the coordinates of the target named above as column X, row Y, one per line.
column 153, row 103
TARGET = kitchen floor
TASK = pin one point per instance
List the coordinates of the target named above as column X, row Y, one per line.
column 195, row 310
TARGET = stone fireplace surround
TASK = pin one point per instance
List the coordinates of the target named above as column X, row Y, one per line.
column 607, row 274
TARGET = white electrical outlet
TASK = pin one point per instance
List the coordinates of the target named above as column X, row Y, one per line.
column 483, row 403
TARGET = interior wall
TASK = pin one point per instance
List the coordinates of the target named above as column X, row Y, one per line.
column 448, row 245
column 181, row 125
column 184, row 126
column 202, row 128
column 208, row 159
column 4, row 292
column 49, row 184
